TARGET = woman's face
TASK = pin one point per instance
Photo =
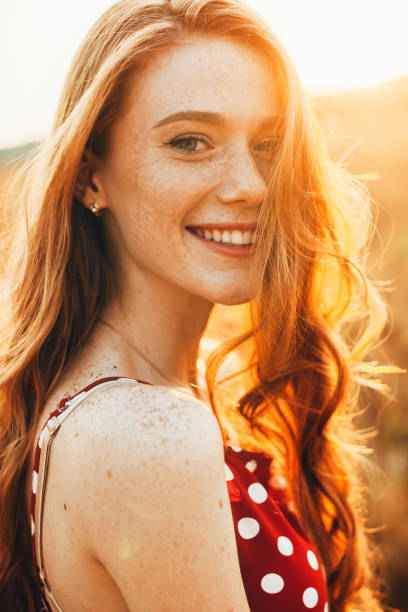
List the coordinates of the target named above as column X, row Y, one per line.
column 189, row 154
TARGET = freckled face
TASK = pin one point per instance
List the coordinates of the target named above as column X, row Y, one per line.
column 159, row 179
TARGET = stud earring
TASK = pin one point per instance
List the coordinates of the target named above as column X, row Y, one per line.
column 95, row 208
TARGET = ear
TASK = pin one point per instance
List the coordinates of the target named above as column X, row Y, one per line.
column 88, row 186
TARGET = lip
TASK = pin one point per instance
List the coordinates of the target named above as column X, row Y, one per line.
column 218, row 247
column 243, row 227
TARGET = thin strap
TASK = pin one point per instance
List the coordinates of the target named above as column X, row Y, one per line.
column 65, row 407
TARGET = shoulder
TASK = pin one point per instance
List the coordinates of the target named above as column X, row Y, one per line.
column 129, row 437
column 142, row 417
column 149, row 496
column 126, row 423
column 126, row 437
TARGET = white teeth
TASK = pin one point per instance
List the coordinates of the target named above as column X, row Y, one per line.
column 235, row 237
column 226, row 237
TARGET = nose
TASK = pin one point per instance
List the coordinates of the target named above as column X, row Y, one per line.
column 241, row 180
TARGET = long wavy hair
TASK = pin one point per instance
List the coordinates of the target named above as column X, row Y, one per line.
column 302, row 339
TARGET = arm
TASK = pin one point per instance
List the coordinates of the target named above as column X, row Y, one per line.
column 161, row 523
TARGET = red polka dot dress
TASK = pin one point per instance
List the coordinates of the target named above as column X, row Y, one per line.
column 281, row 570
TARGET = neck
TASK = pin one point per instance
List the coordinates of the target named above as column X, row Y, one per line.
column 165, row 325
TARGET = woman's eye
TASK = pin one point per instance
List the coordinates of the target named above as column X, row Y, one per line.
column 188, row 144
column 266, row 148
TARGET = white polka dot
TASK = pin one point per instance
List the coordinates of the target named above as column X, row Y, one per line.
column 313, row 562
column 32, row 526
column 285, row 546
column 35, row 481
column 228, row 473
column 278, row 482
column 257, row 492
column 272, row 583
column 326, row 607
column 310, row 597
column 237, row 449
column 248, row 527
column 40, row 441
column 251, row 465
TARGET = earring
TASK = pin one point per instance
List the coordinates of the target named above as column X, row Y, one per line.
column 95, row 208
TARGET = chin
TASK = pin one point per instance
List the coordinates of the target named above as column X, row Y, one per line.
column 231, row 298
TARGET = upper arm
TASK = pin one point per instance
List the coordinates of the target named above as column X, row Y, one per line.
column 157, row 511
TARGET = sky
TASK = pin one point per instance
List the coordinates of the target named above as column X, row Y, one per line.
column 336, row 46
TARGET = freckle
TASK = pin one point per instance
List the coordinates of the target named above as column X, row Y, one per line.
column 220, row 503
column 65, row 506
column 109, row 473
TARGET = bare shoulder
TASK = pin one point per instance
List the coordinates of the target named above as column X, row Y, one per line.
column 149, row 497
column 136, row 432
column 144, row 419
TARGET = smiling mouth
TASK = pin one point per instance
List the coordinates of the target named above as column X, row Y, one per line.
column 231, row 238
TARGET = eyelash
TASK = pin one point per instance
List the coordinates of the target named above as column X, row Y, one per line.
column 175, row 141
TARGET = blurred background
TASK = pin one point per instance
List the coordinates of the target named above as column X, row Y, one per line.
column 352, row 57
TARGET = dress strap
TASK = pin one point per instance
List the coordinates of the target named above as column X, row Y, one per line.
column 41, row 459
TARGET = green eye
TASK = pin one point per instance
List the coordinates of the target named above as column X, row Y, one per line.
column 266, row 148
column 187, row 143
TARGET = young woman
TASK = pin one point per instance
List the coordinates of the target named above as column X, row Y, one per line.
column 184, row 170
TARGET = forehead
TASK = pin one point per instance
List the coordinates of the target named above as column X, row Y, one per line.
column 205, row 73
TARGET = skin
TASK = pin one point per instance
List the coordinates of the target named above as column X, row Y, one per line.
column 150, row 188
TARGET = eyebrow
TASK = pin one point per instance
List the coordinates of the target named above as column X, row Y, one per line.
column 213, row 118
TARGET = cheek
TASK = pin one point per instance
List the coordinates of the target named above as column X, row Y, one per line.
column 154, row 190
column 151, row 199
